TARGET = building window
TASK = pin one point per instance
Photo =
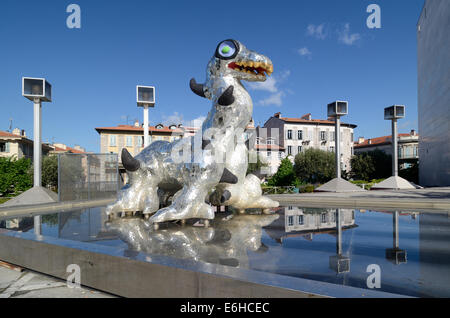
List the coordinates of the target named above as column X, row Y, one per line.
column 300, row 134
column 258, row 141
column 323, row 135
column 4, row 146
column 323, row 218
column 112, row 141
column 289, row 150
column 270, row 141
column 299, row 149
column 290, row 207
column 332, row 148
column 280, row 154
column 290, row 220
column 332, row 136
column 269, row 153
column 129, row 141
column 289, row 134
column 300, row 220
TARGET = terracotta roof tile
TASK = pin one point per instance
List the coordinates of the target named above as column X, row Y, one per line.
column 378, row 141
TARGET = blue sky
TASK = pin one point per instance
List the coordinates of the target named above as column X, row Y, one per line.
column 322, row 51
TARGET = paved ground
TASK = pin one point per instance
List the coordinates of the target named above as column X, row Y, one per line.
column 418, row 199
column 27, row 284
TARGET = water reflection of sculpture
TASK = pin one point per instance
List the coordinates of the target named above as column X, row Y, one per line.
column 156, row 175
column 226, row 242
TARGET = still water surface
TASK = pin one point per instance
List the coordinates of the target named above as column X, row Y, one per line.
column 412, row 249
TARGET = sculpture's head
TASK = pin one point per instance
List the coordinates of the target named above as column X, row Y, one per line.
column 232, row 58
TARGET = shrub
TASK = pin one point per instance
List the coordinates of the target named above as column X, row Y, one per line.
column 315, row 166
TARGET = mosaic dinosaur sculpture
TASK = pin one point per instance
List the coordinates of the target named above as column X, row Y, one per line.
column 212, row 165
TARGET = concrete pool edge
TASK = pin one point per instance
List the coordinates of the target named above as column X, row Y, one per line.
column 104, row 268
column 30, row 210
column 354, row 202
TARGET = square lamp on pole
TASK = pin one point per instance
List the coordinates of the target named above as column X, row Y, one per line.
column 337, row 108
column 394, row 112
column 36, row 88
column 145, row 97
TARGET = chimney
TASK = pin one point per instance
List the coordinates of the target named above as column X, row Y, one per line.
column 413, row 132
column 360, row 140
column 369, row 141
column 16, row 131
column 23, row 133
column 136, row 123
column 306, row 117
column 277, row 115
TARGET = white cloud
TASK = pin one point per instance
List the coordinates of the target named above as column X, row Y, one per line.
column 345, row 36
column 274, row 99
column 304, row 51
column 271, row 86
column 177, row 119
column 316, row 31
column 268, row 85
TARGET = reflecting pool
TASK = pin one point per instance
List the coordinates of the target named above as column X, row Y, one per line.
column 340, row 246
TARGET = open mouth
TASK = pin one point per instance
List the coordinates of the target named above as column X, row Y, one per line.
column 255, row 68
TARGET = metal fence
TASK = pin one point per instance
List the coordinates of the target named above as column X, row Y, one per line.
column 87, row 176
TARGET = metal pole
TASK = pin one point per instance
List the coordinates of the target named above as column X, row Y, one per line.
column 338, row 232
column 146, row 143
column 337, row 140
column 395, row 221
column 59, row 177
column 89, row 177
column 394, row 148
column 37, row 147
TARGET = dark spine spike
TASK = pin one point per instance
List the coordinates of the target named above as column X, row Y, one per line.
column 205, row 143
column 129, row 163
column 228, row 177
column 227, row 98
column 196, row 88
column 226, row 195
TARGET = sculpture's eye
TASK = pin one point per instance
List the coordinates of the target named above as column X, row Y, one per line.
column 227, row 49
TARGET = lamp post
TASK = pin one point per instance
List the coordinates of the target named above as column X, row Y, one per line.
column 394, row 113
column 37, row 90
column 339, row 263
column 145, row 97
column 336, row 110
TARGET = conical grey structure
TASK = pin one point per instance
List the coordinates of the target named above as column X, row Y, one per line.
column 393, row 183
column 35, row 195
column 339, row 185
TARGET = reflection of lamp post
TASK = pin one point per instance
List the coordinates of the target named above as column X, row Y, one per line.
column 145, row 97
column 337, row 109
column 38, row 90
column 338, row 262
column 393, row 113
column 395, row 254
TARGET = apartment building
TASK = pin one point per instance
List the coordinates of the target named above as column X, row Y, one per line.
column 16, row 144
column 408, row 147
column 293, row 135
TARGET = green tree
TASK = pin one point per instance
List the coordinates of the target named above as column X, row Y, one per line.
column 50, row 171
column 284, row 176
column 375, row 164
column 315, row 166
column 15, row 176
column 363, row 167
column 255, row 167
